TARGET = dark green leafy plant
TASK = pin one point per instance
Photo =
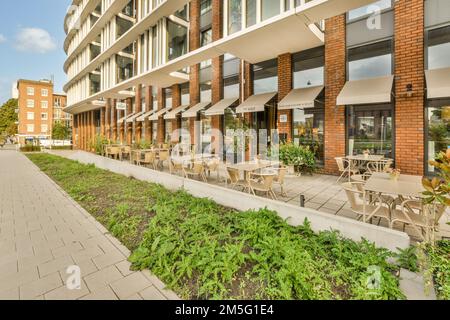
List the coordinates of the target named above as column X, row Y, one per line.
column 407, row 258
column 301, row 157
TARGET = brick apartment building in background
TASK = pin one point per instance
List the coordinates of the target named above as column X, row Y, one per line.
column 339, row 76
column 38, row 109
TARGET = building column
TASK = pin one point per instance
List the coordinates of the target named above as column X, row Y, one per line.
column 84, row 114
column 129, row 126
column 102, row 122
column 176, row 102
column 108, row 119
column 284, row 87
column 335, row 76
column 138, row 124
column 75, row 126
column 149, row 106
column 161, row 123
column 114, row 136
column 409, row 70
column 245, row 72
column 194, row 77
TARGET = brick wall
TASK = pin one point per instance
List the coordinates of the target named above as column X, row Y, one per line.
column 194, row 78
column 138, row 124
column 409, row 69
column 114, row 121
column 284, row 87
column 149, row 106
column 161, row 123
column 108, row 119
column 129, row 126
column 335, row 77
column 176, row 102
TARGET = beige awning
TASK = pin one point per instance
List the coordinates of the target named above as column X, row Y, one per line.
column 438, row 83
column 173, row 114
column 219, row 108
column 192, row 112
column 255, row 103
column 145, row 116
column 300, row 98
column 133, row 117
column 123, row 119
column 158, row 114
column 366, row 91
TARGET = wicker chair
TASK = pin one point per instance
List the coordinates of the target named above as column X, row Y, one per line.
column 343, row 166
column 197, row 170
column 235, row 179
column 149, row 160
column 262, row 183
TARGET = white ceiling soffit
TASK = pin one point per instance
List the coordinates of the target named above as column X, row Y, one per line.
column 438, row 83
column 366, row 91
column 300, row 98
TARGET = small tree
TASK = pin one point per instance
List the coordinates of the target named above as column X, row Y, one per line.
column 60, row 132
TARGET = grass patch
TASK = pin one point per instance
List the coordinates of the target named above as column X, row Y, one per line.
column 206, row 251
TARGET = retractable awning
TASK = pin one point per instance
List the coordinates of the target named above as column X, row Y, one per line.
column 133, row 117
column 158, row 114
column 173, row 114
column 145, row 116
column 255, row 103
column 366, row 91
column 438, row 83
column 123, row 119
column 219, row 108
column 301, row 98
column 192, row 112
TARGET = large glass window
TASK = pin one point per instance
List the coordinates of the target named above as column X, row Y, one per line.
column 176, row 40
column 269, row 8
column 438, row 130
column 234, row 16
column 374, row 60
column 124, row 68
column 122, row 26
column 231, row 87
column 369, row 9
column 309, row 68
column 370, row 128
column 438, row 48
column 265, row 76
column 308, row 127
column 250, row 12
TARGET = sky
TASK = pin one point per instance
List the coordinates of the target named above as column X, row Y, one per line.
column 31, row 42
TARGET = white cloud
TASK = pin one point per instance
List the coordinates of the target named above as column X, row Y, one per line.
column 34, row 40
column 2, row 38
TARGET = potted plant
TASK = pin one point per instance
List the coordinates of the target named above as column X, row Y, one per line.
column 297, row 158
column 394, row 174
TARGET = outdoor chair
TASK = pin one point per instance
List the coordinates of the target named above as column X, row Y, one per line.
column 279, row 179
column 149, row 160
column 213, row 165
column 176, row 167
column 125, row 151
column 235, row 179
column 113, row 152
column 262, row 183
column 135, row 157
column 356, row 199
column 164, row 156
column 412, row 213
column 197, row 170
column 343, row 166
column 375, row 166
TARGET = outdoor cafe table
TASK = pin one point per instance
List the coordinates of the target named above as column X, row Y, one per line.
column 360, row 159
column 405, row 186
column 251, row 166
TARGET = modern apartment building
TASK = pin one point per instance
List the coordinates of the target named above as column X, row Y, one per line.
column 341, row 76
column 38, row 110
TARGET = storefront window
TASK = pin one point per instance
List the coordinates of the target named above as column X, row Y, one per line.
column 439, row 48
column 438, row 131
column 234, row 16
column 176, row 40
column 265, row 76
column 370, row 128
column 308, row 126
column 374, row 60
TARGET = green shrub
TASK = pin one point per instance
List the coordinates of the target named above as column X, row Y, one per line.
column 301, row 157
column 30, row 148
column 62, row 148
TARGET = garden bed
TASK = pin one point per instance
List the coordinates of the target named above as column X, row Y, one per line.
column 205, row 251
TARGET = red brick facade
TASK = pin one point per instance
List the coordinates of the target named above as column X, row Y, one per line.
column 409, row 69
column 335, row 77
column 284, row 87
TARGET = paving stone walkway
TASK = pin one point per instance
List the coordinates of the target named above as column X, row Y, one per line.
column 43, row 232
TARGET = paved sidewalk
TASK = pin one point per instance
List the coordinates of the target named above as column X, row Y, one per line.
column 43, row 232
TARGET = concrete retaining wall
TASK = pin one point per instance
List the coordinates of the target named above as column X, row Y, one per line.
column 352, row 229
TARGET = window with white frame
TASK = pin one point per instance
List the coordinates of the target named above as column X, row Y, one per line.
column 44, row 128
column 30, row 103
column 30, row 115
column 30, row 127
column 44, row 92
column 30, row 91
column 44, row 116
column 44, row 104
